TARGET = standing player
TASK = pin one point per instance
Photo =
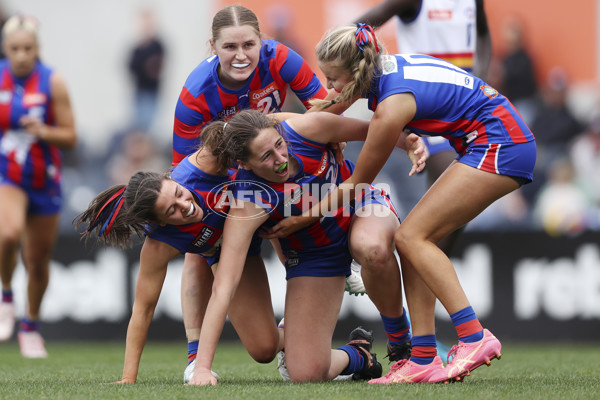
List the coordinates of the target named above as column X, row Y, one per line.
column 497, row 154
column 244, row 72
column 453, row 30
column 36, row 121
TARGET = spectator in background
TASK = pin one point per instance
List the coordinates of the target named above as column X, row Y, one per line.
column 37, row 121
column 554, row 126
column 146, row 66
column 135, row 152
column 561, row 206
column 585, row 156
column 519, row 84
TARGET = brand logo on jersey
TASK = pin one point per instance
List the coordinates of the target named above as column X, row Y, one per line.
column 266, row 100
column 324, row 163
column 259, row 94
column 228, row 112
column 440, row 15
column 291, row 259
column 34, row 99
column 204, row 236
column 5, row 96
column 489, row 91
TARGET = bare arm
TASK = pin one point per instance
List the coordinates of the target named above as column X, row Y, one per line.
column 63, row 134
column 385, row 10
column 483, row 50
column 385, row 129
column 154, row 258
column 237, row 235
column 326, row 127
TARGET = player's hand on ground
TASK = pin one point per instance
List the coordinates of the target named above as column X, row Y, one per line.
column 124, row 381
column 203, row 378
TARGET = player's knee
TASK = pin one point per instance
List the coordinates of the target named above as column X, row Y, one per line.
column 402, row 240
column 307, row 375
column 10, row 237
column 371, row 254
column 263, row 354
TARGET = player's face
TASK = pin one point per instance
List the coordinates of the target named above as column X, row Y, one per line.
column 238, row 49
column 21, row 49
column 268, row 156
column 176, row 205
column 336, row 76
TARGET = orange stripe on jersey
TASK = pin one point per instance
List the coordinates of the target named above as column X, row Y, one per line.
column 468, row 328
column 490, row 160
column 511, row 126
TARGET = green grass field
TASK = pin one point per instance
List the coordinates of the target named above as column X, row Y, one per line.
column 80, row 371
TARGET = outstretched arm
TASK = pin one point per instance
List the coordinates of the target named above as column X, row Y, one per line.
column 483, row 50
column 385, row 10
column 240, row 225
column 154, row 258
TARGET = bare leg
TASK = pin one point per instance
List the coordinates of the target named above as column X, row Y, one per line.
column 196, row 287
column 444, row 208
column 311, row 310
column 371, row 240
column 251, row 313
column 436, row 165
column 40, row 236
column 13, row 215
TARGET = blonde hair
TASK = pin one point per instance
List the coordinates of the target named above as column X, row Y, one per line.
column 16, row 23
column 339, row 46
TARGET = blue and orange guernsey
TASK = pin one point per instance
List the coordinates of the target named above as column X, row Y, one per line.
column 204, row 99
column 26, row 160
column 324, row 242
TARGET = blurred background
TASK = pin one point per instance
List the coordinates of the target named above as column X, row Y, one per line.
column 530, row 263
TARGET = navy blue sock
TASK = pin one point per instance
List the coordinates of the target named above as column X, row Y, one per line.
column 356, row 362
column 7, row 296
column 396, row 329
column 28, row 325
column 424, row 349
column 467, row 325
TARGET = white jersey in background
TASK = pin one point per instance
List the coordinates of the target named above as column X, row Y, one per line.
column 442, row 28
